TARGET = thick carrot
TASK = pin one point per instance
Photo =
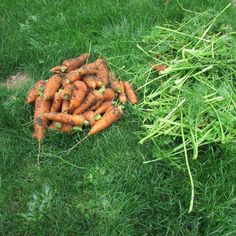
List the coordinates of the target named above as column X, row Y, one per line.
column 78, row 94
column 90, row 81
column 65, row 118
column 66, row 92
column 58, row 69
column 111, row 116
column 40, row 122
column 57, row 101
column 73, row 75
column 103, row 73
column 65, row 128
column 109, row 94
column 122, row 96
column 130, row 93
column 65, row 106
column 99, row 101
column 65, row 82
column 103, row 108
column 74, row 63
column 115, row 85
column 89, row 101
column 89, row 116
column 34, row 92
column 52, row 86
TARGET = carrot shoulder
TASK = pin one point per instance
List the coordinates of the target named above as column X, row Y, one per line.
column 130, row 93
column 111, row 116
column 34, row 92
column 52, row 86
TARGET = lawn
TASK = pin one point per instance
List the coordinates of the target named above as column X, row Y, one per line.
column 102, row 187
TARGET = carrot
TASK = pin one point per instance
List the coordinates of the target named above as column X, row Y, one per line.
column 89, row 116
column 130, row 93
column 65, row 118
column 74, row 63
column 99, row 100
column 78, row 94
column 65, row 106
column 55, row 125
column 103, row 108
column 89, row 101
column 122, row 96
column 73, row 75
column 52, row 86
column 109, row 94
column 67, row 92
column 65, row 128
column 102, row 73
column 115, row 85
column 90, row 81
column 111, row 116
column 58, row 69
column 65, row 82
column 34, row 92
column 40, row 122
column 57, row 101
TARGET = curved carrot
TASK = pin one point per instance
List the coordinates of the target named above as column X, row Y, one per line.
column 40, row 122
column 109, row 94
column 66, row 92
column 65, row 118
column 130, row 93
column 99, row 101
column 57, row 101
column 122, row 96
column 103, row 108
column 73, row 63
column 78, row 94
column 89, row 101
column 52, row 86
column 34, row 92
column 103, row 73
column 111, row 116
column 58, row 69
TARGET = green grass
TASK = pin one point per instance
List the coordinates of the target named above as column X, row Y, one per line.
column 102, row 187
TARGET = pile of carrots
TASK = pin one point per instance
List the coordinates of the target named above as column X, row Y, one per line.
column 78, row 94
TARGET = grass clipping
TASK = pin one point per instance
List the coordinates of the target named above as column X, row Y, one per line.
column 191, row 101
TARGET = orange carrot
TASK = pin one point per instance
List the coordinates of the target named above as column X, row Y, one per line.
column 65, row 106
column 40, row 122
column 108, row 94
column 102, row 73
column 89, row 116
column 89, row 101
column 34, row 92
column 65, row 128
column 130, row 93
column 52, row 86
column 73, row 75
column 58, row 69
column 74, row 63
column 115, row 85
column 90, row 81
column 65, row 118
column 57, row 101
column 67, row 92
column 111, row 116
column 122, row 96
column 78, row 94
column 65, row 82
column 103, row 108
column 99, row 101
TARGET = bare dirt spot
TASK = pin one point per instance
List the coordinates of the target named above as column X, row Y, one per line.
column 16, row 81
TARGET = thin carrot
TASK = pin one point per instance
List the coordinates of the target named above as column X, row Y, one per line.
column 57, row 101
column 99, row 101
column 65, row 118
column 65, row 106
column 78, row 94
column 34, row 92
column 103, row 73
column 89, row 101
column 130, row 93
column 109, row 94
column 74, row 63
column 103, row 108
column 111, row 116
column 122, row 96
column 66, row 92
column 40, row 122
column 52, row 86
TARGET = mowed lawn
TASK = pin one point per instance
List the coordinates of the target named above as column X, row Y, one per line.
column 102, row 187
